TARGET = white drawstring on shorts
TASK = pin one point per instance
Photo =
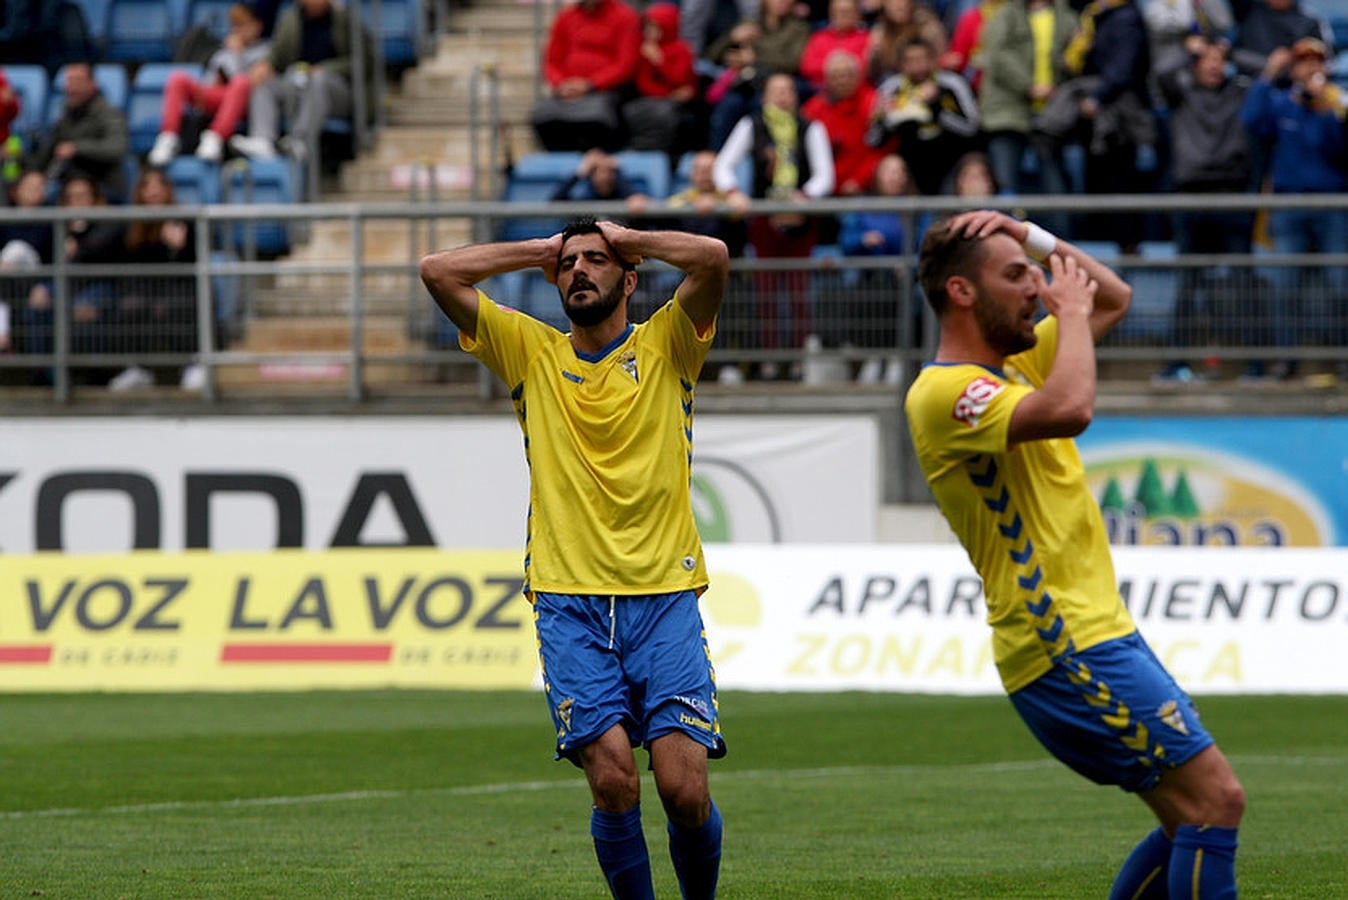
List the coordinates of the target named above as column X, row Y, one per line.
column 612, row 619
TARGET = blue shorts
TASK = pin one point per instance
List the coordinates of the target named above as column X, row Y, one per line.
column 638, row 661
column 1114, row 714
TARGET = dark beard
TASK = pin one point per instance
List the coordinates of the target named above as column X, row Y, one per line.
column 593, row 313
column 1000, row 330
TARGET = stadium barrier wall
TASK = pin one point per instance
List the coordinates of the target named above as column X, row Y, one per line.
column 117, row 483
column 798, row 617
column 114, row 484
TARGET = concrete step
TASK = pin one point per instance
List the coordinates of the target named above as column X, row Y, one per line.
column 306, row 334
column 488, row 20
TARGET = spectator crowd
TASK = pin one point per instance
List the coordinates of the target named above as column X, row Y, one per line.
column 263, row 86
column 791, row 101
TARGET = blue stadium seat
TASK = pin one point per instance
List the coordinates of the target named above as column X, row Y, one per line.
column 227, row 297
column 533, row 180
column 1155, row 293
column 400, row 30
column 194, row 181
column 145, row 103
column 683, row 173
column 646, row 170
column 142, row 30
column 111, row 79
column 531, row 293
column 31, row 84
column 214, row 14
column 95, row 17
column 270, row 181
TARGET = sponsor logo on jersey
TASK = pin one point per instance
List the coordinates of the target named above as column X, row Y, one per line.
column 697, row 704
column 973, row 402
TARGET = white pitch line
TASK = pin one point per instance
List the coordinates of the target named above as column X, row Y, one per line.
column 577, row 784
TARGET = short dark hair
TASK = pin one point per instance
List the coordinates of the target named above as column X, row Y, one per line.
column 588, row 225
column 945, row 253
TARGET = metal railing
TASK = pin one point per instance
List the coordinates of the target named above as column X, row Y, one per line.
column 378, row 317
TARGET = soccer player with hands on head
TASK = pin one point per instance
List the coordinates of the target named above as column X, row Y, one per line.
column 613, row 562
column 993, row 419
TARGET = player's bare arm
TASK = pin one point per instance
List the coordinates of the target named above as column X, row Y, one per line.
column 452, row 276
column 1114, row 294
column 704, row 261
column 1063, row 406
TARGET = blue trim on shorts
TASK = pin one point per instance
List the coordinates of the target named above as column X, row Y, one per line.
column 1113, row 714
column 638, row 661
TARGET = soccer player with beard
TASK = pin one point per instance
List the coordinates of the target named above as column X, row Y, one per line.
column 613, row 562
column 993, row 420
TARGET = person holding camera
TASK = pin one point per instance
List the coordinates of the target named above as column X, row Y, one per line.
column 1296, row 110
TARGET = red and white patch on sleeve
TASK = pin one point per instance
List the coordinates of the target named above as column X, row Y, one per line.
column 973, row 402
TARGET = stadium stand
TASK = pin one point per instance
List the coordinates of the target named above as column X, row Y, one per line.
column 142, row 30
column 194, row 180
column 95, row 18
column 212, row 14
column 32, row 84
column 533, row 179
column 111, row 79
column 270, row 181
column 646, row 170
column 145, row 102
column 400, row 31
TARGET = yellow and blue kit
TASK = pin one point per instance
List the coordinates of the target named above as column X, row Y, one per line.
column 1063, row 641
column 613, row 563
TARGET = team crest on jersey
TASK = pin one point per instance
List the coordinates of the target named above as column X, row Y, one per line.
column 564, row 713
column 973, row 402
column 1170, row 714
column 629, row 363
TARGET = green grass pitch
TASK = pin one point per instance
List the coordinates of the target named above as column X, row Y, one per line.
column 454, row 795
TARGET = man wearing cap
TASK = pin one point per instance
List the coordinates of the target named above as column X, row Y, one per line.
column 1299, row 112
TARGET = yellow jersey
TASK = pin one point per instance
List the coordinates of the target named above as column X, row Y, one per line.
column 1024, row 513
column 609, row 442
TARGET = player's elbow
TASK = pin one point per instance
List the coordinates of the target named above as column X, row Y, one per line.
column 718, row 256
column 432, row 269
column 1076, row 419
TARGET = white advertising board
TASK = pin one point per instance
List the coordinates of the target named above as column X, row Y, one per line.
column 911, row 618
column 800, row 617
column 106, row 485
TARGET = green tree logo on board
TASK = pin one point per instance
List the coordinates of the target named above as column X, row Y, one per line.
column 1161, row 514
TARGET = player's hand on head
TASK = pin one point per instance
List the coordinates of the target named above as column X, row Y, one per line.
column 1071, row 290
column 981, row 223
column 552, row 250
column 621, row 239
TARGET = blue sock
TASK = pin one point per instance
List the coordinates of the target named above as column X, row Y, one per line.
column 1203, row 863
column 620, row 846
column 696, row 853
column 1143, row 876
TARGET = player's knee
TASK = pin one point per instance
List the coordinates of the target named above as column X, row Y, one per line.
column 686, row 803
column 1228, row 802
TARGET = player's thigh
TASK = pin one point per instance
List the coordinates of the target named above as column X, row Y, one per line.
column 669, row 655
column 583, row 676
column 1114, row 714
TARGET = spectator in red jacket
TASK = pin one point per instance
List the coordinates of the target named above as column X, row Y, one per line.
column 666, row 82
column 9, row 106
column 844, row 31
column 591, row 54
column 844, row 107
column 11, row 158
